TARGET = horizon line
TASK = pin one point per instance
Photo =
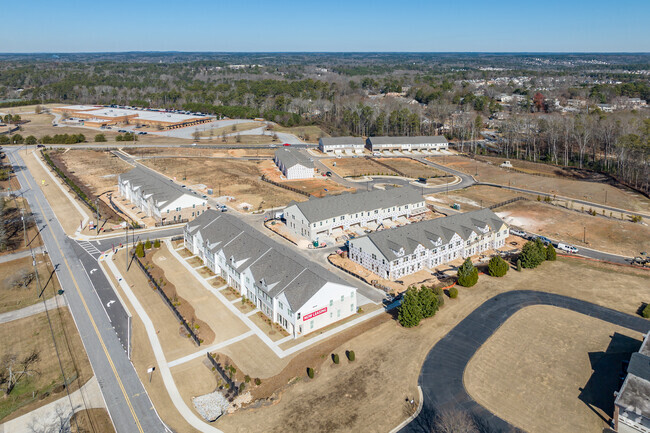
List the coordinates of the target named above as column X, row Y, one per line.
column 321, row 52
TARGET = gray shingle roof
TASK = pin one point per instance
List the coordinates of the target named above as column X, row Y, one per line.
column 291, row 157
column 282, row 269
column 439, row 139
column 327, row 141
column 163, row 190
column 318, row 209
column 426, row 232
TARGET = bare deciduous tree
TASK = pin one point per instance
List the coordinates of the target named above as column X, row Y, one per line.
column 14, row 369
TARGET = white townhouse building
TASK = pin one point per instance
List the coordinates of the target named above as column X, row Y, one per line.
column 632, row 403
column 317, row 217
column 158, row 197
column 430, row 142
column 293, row 164
column 300, row 295
column 392, row 254
column 339, row 145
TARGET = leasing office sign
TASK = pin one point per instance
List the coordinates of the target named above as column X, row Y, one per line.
column 314, row 314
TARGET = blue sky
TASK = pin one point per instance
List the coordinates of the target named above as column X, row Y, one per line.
column 337, row 25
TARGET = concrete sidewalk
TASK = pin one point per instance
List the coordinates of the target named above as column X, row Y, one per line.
column 39, row 307
column 59, row 412
column 20, row 255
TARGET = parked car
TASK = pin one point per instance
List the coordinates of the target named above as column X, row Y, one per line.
column 544, row 239
column 328, row 174
column 273, row 145
column 567, row 248
column 40, row 145
column 287, row 144
column 520, row 233
column 376, row 154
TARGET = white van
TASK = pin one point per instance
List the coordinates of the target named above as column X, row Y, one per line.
column 567, row 248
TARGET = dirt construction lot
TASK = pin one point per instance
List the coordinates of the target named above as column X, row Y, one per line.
column 369, row 392
column 236, row 178
column 319, row 186
column 369, row 166
column 596, row 192
column 95, row 169
column 536, row 370
column 605, row 234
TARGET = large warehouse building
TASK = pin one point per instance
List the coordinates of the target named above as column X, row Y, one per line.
column 293, row 164
column 402, row 251
column 299, row 295
column 319, row 216
column 98, row 116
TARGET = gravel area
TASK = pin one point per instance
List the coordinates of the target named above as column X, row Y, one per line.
column 210, row 406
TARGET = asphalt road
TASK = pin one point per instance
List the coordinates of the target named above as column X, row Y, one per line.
column 441, row 377
column 126, row 399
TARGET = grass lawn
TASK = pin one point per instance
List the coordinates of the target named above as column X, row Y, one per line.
column 310, row 133
column 239, row 127
column 13, row 294
column 14, row 226
column 20, row 337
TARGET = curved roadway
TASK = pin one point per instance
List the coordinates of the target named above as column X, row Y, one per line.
column 441, row 377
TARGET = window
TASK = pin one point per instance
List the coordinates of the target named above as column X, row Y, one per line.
column 280, row 305
column 374, row 257
column 342, row 297
column 351, row 307
column 194, row 206
column 338, row 313
column 311, row 324
column 342, row 217
column 331, row 302
column 351, row 294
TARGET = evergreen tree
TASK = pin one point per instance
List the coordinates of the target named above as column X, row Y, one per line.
column 467, row 274
column 497, row 267
column 518, row 265
column 139, row 250
column 410, row 312
column 428, row 301
column 550, row 253
column 532, row 254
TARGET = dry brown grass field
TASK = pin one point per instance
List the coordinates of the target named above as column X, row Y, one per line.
column 23, row 336
column 536, row 370
column 19, row 287
column 596, row 192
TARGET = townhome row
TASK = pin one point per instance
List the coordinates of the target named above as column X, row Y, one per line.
column 377, row 144
column 632, row 403
column 158, row 197
column 317, row 217
column 299, row 295
column 293, row 164
column 402, row 251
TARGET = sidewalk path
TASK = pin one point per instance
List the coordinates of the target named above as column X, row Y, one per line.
column 39, row 307
column 165, row 372
column 59, row 411
column 20, row 255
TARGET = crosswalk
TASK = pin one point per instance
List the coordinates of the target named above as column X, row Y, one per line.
column 90, row 248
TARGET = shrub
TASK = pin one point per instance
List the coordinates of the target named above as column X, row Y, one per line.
column 440, row 295
column 335, row 358
column 519, row 265
column 646, row 311
column 247, row 378
column 310, row 372
column 100, row 138
column 242, row 386
column 350, row 355
column 497, row 267
column 147, row 244
column 551, row 255
column 156, row 243
column 410, row 312
column 467, row 274
column 258, row 382
column 428, row 301
column 139, row 250
column 453, row 292
column 532, row 254
column 31, row 140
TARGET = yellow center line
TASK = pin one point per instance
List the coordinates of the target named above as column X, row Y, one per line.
column 83, row 300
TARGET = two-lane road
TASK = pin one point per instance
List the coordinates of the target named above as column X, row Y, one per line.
column 128, row 403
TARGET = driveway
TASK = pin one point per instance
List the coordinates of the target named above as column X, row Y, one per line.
column 441, row 377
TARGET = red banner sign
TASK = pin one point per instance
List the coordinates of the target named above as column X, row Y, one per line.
column 314, row 314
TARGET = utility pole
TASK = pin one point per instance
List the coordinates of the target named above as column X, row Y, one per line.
column 97, row 209
column 584, row 234
column 127, row 246
column 22, row 217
